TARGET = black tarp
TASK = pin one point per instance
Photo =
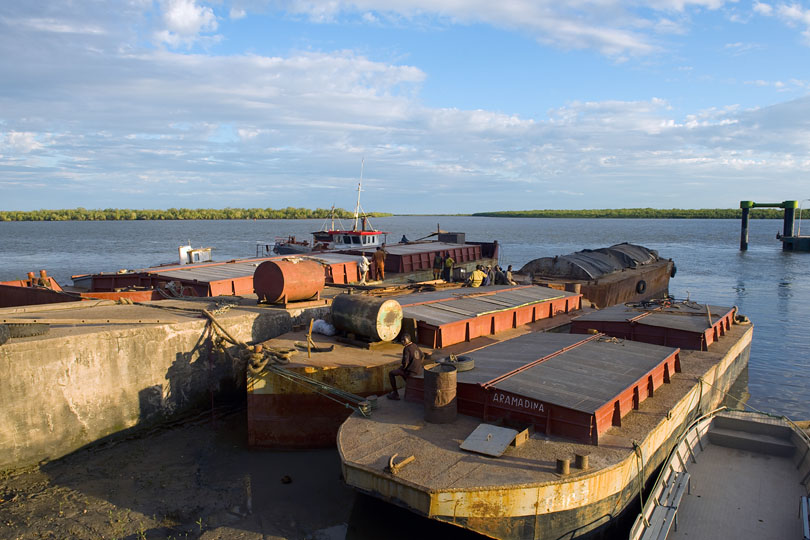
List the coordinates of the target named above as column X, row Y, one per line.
column 591, row 264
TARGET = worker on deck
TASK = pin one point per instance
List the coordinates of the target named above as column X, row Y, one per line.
column 509, row 277
column 449, row 261
column 438, row 263
column 489, row 276
column 379, row 264
column 412, row 357
column 476, row 278
column 500, row 276
column 364, row 265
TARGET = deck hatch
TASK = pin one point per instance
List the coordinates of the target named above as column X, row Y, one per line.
column 687, row 325
column 444, row 318
column 579, row 390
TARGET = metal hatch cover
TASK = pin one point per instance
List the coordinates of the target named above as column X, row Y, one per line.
column 489, row 440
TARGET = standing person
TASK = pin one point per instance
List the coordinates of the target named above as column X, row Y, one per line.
column 364, row 265
column 438, row 263
column 379, row 264
column 412, row 357
column 448, row 268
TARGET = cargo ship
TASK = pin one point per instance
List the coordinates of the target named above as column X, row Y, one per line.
column 550, row 435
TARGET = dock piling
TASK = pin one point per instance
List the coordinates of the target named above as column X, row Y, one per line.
column 787, row 231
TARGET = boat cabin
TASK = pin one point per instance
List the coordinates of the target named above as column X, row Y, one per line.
column 190, row 255
column 356, row 239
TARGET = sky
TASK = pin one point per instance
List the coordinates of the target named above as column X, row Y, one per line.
column 441, row 106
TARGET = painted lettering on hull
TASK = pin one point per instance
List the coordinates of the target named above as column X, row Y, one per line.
column 517, row 402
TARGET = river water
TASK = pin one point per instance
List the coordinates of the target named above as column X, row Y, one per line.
column 769, row 286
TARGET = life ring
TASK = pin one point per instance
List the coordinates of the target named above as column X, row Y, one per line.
column 641, row 286
column 674, row 270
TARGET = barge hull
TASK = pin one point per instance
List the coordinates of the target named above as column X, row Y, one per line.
column 583, row 505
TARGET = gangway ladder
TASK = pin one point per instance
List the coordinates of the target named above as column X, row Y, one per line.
column 665, row 512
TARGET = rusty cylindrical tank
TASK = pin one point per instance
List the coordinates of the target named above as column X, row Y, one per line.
column 288, row 280
column 441, row 406
column 378, row 319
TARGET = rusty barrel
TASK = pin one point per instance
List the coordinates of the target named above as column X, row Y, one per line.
column 375, row 318
column 288, row 280
column 441, row 406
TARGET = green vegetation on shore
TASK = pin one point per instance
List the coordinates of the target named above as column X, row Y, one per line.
column 642, row 213
column 118, row 214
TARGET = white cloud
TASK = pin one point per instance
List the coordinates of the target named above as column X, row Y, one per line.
column 20, row 142
column 762, row 8
column 185, row 21
column 613, row 27
column 792, row 14
column 61, row 26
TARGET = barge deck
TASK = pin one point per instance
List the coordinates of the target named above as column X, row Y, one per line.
column 521, row 495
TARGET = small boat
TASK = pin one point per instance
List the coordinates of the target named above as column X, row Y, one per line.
column 362, row 236
column 741, row 472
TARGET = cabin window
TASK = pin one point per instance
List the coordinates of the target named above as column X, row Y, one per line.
column 196, row 257
column 347, row 239
column 355, row 239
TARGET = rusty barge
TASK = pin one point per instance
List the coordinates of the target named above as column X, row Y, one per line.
column 589, row 419
column 282, row 413
column 606, row 276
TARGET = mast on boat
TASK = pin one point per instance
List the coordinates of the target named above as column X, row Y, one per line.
column 359, row 189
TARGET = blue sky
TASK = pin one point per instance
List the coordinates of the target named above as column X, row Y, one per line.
column 455, row 106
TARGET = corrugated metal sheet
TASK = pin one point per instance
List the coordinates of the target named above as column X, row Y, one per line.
column 588, row 377
column 420, row 247
column 442, row 307
column 213, row 272
column 683, row 324
column 563, row 384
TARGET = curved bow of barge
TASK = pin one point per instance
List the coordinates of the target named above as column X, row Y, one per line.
column 521, row 495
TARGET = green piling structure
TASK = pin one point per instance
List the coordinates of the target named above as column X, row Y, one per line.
column 787, row 228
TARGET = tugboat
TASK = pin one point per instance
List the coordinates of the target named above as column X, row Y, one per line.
column 361, row 236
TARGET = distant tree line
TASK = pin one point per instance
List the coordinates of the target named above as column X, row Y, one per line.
column 123, row 214
column 641, row 213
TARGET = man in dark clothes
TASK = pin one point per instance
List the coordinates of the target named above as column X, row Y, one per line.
column 379, row 264
column 438, row 262
column 412, row 357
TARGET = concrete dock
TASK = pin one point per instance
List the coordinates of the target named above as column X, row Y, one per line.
column 103, row 368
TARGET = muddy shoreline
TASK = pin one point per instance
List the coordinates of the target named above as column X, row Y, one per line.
column 193, row 480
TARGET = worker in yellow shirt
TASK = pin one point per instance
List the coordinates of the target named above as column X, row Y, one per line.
column 476, row 278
